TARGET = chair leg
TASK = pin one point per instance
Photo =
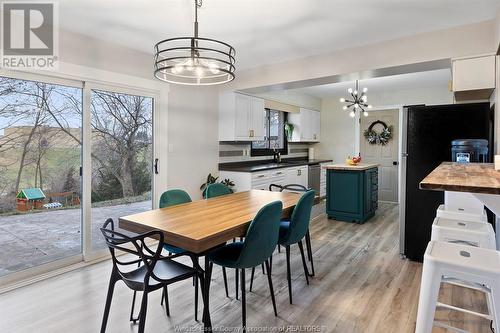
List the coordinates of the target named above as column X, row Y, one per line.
column 279, row 248
column 309, row 252
column 132, row 319
column 263, row 271
column 270, row 264
column 109, row 297
column 271, row 289
column 243, row 301
column 167, row 305
column 144, row 308
column 237, row 278
column 251, row 278
column 288, row 274
column 306, row 272
column 196, row 298
column 224, row 276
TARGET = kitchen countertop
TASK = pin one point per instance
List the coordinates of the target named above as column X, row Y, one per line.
column 254, row 166
column 359, row 167
column 460, row 177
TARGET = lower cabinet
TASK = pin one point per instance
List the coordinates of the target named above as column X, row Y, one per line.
column 245, row 181
column 352, row 195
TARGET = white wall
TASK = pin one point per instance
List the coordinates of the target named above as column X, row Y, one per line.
column 193, row 137
column 338, row 129
column 293, row 98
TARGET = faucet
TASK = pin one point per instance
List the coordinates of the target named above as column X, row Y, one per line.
column 276, row 156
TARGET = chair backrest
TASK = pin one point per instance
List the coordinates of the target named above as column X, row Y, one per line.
column 289, row 187
column 262, row 236
column 120, row 242
column 217, row 189
column 174, row 197
column 301, row 216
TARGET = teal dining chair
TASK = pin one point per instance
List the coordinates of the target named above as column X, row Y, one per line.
column 292, row 231
column 167, row 199
column 260, row 241
column 216, row 190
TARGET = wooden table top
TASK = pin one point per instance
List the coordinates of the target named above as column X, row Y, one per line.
column 461, row 177
column 200, row 225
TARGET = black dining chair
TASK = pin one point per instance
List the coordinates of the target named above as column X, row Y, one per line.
column 150, row 270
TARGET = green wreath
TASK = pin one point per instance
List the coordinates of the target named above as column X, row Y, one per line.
column 375, row 138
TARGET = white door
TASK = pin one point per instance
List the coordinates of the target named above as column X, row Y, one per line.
column 384, row 155
column 242, row 117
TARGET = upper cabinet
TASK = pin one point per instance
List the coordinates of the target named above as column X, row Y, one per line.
column 241, row 117
column 473, row 77
column 306, row 125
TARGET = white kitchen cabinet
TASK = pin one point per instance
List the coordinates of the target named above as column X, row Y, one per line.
column 473, row 77
column 306, row 125
column 322, row 181
column 245, row 181
column 241, row 117
column 297, row 175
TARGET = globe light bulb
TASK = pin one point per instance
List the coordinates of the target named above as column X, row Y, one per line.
column 349, row 90
column 199, row 72
column 355, row 92
column 365, row 113
column 365, row 89
column 369, row 106
column 342, row 100
column 345, row 107
column 356, row 105
column 214, row 68
column 352, row 114
column 364, row 98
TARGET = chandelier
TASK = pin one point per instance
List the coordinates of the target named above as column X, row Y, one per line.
column 358, row 101
column 194, row 60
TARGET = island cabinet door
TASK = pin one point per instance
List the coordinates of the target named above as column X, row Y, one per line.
column 371, row 190
column 345, row 194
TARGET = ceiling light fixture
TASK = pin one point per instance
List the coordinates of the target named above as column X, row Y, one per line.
column 358, row 101
column 194, row 60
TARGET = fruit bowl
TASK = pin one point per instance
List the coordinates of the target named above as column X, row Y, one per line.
column 353, row 160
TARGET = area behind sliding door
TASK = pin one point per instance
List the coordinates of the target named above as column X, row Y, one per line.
column 72, row 154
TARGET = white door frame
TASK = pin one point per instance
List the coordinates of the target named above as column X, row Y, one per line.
column 357, row 136
column 87, row 77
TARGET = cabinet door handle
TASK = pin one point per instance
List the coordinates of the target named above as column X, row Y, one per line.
column 261, row 176
column 251, row 133
column 299, row 172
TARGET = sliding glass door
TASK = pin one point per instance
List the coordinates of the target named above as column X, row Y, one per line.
column 40, row 186
column 72, row 154
column 122, row 155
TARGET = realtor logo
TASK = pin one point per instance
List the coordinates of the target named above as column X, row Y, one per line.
column 29, row 35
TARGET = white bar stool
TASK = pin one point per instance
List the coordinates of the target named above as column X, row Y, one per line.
column 464, row 214
column 463, row 232
column 468, row 266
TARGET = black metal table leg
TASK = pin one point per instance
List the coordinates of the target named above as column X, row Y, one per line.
column 207, row 323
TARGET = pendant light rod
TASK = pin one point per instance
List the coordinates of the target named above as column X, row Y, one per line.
column 197, row 4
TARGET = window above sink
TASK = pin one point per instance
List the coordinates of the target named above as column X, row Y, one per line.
column 274, row 139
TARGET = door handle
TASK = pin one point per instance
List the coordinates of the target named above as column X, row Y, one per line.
column 395, row 162
column 156, row 166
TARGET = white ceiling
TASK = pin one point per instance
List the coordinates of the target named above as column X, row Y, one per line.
column 269, row 31
column 437, row 78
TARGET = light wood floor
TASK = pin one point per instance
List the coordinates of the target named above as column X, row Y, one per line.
column 361, row 285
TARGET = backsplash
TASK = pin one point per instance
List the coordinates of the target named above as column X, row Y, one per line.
column 237, row 152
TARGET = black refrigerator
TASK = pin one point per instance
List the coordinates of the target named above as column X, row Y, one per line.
column 426, row 143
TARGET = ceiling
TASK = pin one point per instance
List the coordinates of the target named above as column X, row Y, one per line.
column 436, row 78
column 269, row 31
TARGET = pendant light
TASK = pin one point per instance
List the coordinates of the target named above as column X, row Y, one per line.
column 194, row 60
column 358, row 101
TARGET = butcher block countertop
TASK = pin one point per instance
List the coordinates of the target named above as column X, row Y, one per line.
column 460, row 177
column 359, row 167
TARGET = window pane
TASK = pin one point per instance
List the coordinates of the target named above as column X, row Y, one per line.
column 40, row 186
column 121, row 157
column 276, row 130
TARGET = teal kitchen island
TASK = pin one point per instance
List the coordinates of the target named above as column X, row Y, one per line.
column 351, row 192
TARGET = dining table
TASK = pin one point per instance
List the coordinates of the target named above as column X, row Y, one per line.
column 202, row 225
